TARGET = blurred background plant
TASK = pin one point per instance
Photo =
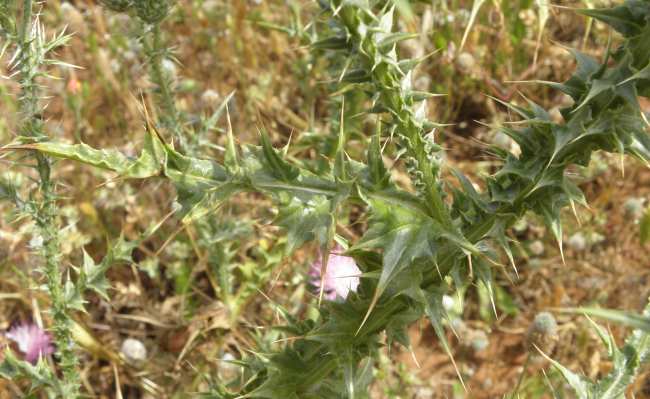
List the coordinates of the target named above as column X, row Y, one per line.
column 199, row 296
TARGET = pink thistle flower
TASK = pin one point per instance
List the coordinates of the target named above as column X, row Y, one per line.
column 32, row 341
column 341, row 277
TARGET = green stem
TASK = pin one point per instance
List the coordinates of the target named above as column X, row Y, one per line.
column 394, row 98
column 170, row 119
column 45, row 213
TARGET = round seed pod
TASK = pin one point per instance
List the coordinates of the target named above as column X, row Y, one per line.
column 465, row 62
column 117, row 5
column 578, row 242
column 152, row 11
column 542, row 333
column 134, row 351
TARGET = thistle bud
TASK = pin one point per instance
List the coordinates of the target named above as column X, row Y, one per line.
column 152, row 11
column 542, row 333
column 117, row 5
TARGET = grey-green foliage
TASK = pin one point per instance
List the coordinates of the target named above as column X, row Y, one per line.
column 626, row 360
column 92, row 276
column 150, row 15
column 40, row 374
column 415, row 240
column 118, row 5
column 32, row 57
column 149, row 11
column 152, row 11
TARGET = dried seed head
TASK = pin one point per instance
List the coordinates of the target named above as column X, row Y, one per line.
column 465, row 62
column 536, row 247
column 479, row 340
column 211, row 98
column 634, row 208
column 117, row 5
column 134, row 350
column 577, row 242
column 152, row 11
column 542, row 333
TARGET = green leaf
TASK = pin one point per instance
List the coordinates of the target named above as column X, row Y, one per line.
column 39, row 374
column 626, row 360
column 484, row 276
column 193, row 175
column 551, row 215
column 150, row 162
column 403, row 235
column 640, row 322
column 281, row 169
column 92, row 276
column 598, row 86
column 620, row 18
column 198, row 206
column 580, row 385
column 305, row 221
column 394, row 38
column 614, row 385
column 378, row 175
column 436, row 313
column 331, row 43
column 7, row 191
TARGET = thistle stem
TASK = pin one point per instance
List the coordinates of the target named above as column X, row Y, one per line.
column 45, row 212
column 155, row 51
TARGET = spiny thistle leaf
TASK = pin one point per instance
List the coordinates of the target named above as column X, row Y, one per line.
column 626, row 361
column 39, row 374
column 403, row 236
column 92, row 276
column 149, row 164
column 639, row 322
column 414, row 241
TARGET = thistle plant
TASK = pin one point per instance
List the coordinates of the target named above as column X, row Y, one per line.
column 626, row 360
column 30, row 59
column 150, row 14
column 420, row 243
